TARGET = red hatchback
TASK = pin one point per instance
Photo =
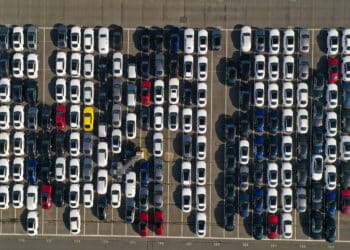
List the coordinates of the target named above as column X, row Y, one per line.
column 146, row 93
column 333, row 70
column 345, row 201
column 61, row 117
column 272, row 227
column 159, row 222
column 46, row 196
column 143, row 224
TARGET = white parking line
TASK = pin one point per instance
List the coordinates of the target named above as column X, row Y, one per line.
column 42, row 221
column 295, row 226
column 14, row 224
column 84, row 221
column 112, row 224
column 56, row 220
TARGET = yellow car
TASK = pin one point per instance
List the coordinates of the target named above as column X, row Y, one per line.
column 88, row 119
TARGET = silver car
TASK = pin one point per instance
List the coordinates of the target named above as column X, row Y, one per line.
column 303, row 68
column 158, row 196
column 117, row 91
column 159, row 63
column 304, row 41
column 158, row 169
column 87, row 144
column 143, row 199
column 117, row 116
column 187, row 146
column 32, row 121
column 32, row 37
column 88, row 169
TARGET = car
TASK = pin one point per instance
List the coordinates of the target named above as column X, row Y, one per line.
column 158, row 196
column 346, row 41
column 215, row 39
column 145, row 66
column 174, row 65
column 5, row 90
column 229, row 216
column 244, row 125
column 75, row 65
column 318, row 114
column 4, row 170
column 32, row 197
column 301, row 200
column 143, row 199
column 32, row 118
column 75, row 38
column 259, row 148
column 201, row 94
column 158, row 169
column 187, row 120
column 316, row 225
column 131, row 96
column 289, row 42
column 259, row 120
column 333, row 70
column 331, row 203
column 46, row 196
column 159, row 65
column 345, row 175
column 271, row 200
column 32, row 168
column 273, row 95
column 102, row 154
column 303, row 68
column 187, row 146
column 158, row 144
column 332, row 42
column 102, row 181
column 230, row 159
column 331, row 123
column 117, row 92
column 330, row 150
column 318, row 82
column 260, row 40
column 186, row 173
column 5, row 117
column 258, row 174
column 287, row 225
column 201, row 199
column 330, row 177
column 231, row 72
column 60, row 90
column 60, row 143
column 244, row 152
column 287, row 200
column 4, row 65
column 287, row 148
column 244, row 204
column 186, row 199
column 75, row 117
column 4, row 38
column 88, row 40
column 145, row 40
column 17, row 38
column 246, row 39
column 17, row 196
column 173, row 121
column 345, row 68
column 201, row 220
column 130, row 211
column 287, row 121
column 188, row 67
column 158, row 120
column 32, row 223
column 115, row 195
column 258, row 226
column 88, row 119
column 188, row 41
column 103, row 41
column 102, row 69
column 302, row 174
column 158, row 94
column 345, row 201
column 302, row 148
column 146, row 93
column 130, row 126
column 274, row 41
column 74, row 170
column 245, row 68
column 17, row 91
column 143, row 224
column 116, row 141
column 304, row 40
column 18, row 169
column 286, row 174
column 303, row 121
column 202, row 42
column 130, row 186
column 18, row 143
column 302, row 95
column 60, row 169
column 75, row 91
column 32, row 37
column 273, row 68
column 258, row 200
column 174, row 91
column 31, row 93
column 288, row 68
column 117, row 64
column 346, row 95
column 272, row 226
column 17, row 65
column 201, row 121
column 244, row 178
column 88, row 67
column 61, row 63
column 4, row 197
column 330, row 229
column 317, row 195
column 345, row 123
column 88, row 168
column 200, row 173
column 316, row 167
column 74, row 195
column 116, row 116
column 74, row 221
column 158, row 39
column 46, row 120
column 61, row 36
column 259, row 95
column 202, row 70
column 174, row 39
column 74, row 144
column 144, row 173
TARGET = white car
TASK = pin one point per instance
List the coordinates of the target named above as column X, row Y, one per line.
column 288, row 94
column 5, row 90
column 201, row 95
column 102, row 154
column 18, row 169
column 288, row 68
column 287, row 225
column 274, row 41
column 174, row 91
column 345, row 147
column 74, row 116
column 130, row 128
column 246, row 39
column 158, row 94
column 330, row 177
column 330, row 150
column 5, row 117
column 202, row 70
column 116, row 194
column 272, row 174
column 345, row 68
column 201, row 121
column 116, row 141
column 88, row 40
column 201, row 221
column 332, row 42
column 346, row 42
column 74, row 195
column 189, row 41
column 88, row 93
column 201, row 147
column 89, row 65
column 244, row 152
column 32, row 66
column 287, row 174
column 158, row 120
column 17, row 38
column 18, row 143
column 287, row 148
column 32, row 197
column 188, row 67
column 301, row 200
column 316, row 167
column 117, row 64
column 287, row 200
column 88, row 195
column 259, row 94
column 74, row 144
column 4, row 197
column 201, row 198
column 287, row 121
column 304, row 40
column 75, row 38
column 187, row 120
column 273, row 95
column 60, row 169
column 74, row 170
column 302, row 95
column 186, row 173
column 259, row 67
column 4, row 144
column 271, row 200
column 61, row 63
column 303, row 121
column 32, row 223
column 74, row 221
column 75, row 65
column 103, row 41
column 331, row 124
column 158, row 144
column 202, row 42
column 74, row 91
column 17, row 65
column 201, row 172
column 102, row 181
column 186, row 199
column 173, row 118
column 273, row 68
column 4, row 170
column 61, row 90
column 130, row 185
column 289, row 42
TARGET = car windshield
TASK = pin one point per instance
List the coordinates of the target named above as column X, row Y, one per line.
column 333, row 94
column 287, row 174
column 274, row 40
column 334, row 40
column 290, row 40
column 188, row 66
column 290, row 67
column 273, row 200
column 201, row 172
column 202, row 67
column 144, row 91
column 273, row 174
column 274, row 66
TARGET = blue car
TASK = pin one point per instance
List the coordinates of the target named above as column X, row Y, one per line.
column 259, row 121
column 273, row 148
column 244, row 204
column 258, row 200
column 273, row 121
column 32, row 167
column 258, row 227
column 144, row 173
column 331, row 203
column 174, row 39
column 259, row 148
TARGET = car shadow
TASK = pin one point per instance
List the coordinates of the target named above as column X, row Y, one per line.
column 221, row 70
column 234, row 96
column 191, row 221
column 52, row 87
column 304, row 219
column 235, row 36
column 220, row 157
column 177, row 144
column 52, row 61
column 219, row 187
column 177, row 196
column 322, row 40
column 322, row 64
column 65, row 217
column 23, row 219
column 219, row 211
column 247, row 223
column 176, row 170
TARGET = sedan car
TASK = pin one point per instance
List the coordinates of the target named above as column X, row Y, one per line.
column 75, row 65
column 289, row 42
column 273, row 68
column 259, row 67
column 274, row 41
column 332, row 96
column 246, row 39
column 272, row 226
column 158, row 144
column 288, row 68
column 333, row 70
column 32, row 66
column 302, row 95
column 259, row 95
column 332, row 42
column 271, row 200
column 202, row 70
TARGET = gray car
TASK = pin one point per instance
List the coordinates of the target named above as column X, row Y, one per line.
column 158, row 196
column 143, row 199
column 130, row 211
column 158, row 169
column 117, row 116
column 88, row 169
column 159, row 63
column 4, row 38
column 303, row 68
column 345, row 174
column 32, row 118
column 62, row 36
column 87, row 144
column 117, row 91
column 32, row 37
column 187, row 146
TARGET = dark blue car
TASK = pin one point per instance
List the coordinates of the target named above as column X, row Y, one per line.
column 258, row 227
column 259, row 148
column 174, row 39
column 318, row 142
column 259, row 121
column 244, row 204
column 144, row 173
column 258, row 200
column 32, row 167
column 331, row 203
column 273, row 148
column 273, row 121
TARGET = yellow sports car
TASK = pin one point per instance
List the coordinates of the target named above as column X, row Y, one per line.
column 88, row 119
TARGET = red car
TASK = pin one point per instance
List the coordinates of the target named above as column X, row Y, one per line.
column 345, row 201
column 333, row 70
column 61, row 117
column 272, row 226
column 159, row 222
column 46, row 196
column 143, row 224
column 146, row 93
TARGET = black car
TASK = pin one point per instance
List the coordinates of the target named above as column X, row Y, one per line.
column 4, row 38
column 317, row 141
column 229, row 216
column 244, row 125
column 187, row 97
column 31, row 145
column 145, row 118
column 330, row 229
column 318, row 84
column 245, row 97
column 273, row 121
column 316, row 224
column 258, row 226
column 317, row 114
column 4, row 65
column 302, row 174
column 345, row 175
column 59, row 142
column 158, row 39
column 230, row 190
column 101, row 208
column 145, row 66
column 258, row 174
column 302, row 148
column 273, row 148
column 215, row 39
column 245, row 69
column 102, row 69
column 345, row 125
column 59, row 194
column 174, row 65
column 317, row 195
column 45, row 171
column 230, row 159
column 145, row 40
column 17, row 91
column 45, row 145
column 260, row 40
column 231, row 73
column 187, row 146
column 31, row 93
column 62, row 36
column 117, row 38
column 103, row 98
column 46, row 118
column 230, row 130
